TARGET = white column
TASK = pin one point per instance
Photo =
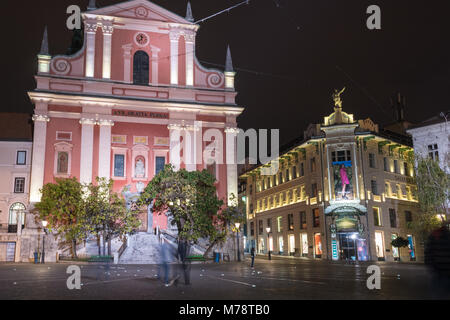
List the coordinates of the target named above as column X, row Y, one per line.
column 232, row 174
column 155, row 65
column 191, row 139
column 175, row 145
column 127, row 62
column 174, row 36
column 87, row 150
column 91, row 29
column 107, row 41
column 190, row 48
column 329, row 172
column 104, row 149
column 356, row 175
column 38, row 160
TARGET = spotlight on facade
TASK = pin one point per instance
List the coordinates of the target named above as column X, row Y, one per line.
column 354, row 236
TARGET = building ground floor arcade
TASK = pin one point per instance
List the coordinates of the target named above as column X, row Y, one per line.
column 345, row 232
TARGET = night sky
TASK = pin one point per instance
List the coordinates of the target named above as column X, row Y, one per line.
column 302, row 50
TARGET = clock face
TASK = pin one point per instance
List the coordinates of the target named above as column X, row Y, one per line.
column 141, row 39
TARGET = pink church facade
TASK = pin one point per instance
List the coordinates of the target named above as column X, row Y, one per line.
column 127, row 102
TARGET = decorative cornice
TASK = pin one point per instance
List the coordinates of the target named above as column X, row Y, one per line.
column 189, row 36
column 91, row 27
column 107, row 29
column 40, row 117
column 174, row 34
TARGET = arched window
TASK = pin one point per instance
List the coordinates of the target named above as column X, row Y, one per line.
column 16, row 216
column 141, row 68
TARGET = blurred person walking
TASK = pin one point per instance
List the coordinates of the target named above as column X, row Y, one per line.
column 252, row 253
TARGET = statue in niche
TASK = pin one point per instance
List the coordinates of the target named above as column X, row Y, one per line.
column 139, row 171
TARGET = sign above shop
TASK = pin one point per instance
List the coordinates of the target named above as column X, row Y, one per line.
column 140, row 114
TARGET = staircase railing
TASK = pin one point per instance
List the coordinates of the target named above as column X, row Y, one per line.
column 121, row 250
column 197, row 247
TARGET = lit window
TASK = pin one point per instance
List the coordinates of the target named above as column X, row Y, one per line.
column 16, row 216
column 279, row 224
column 19, row 185
column 316, row 217
column 119, row 165
column 21, row 158
column 376, row 217
column 291, row 221
column 433, row 151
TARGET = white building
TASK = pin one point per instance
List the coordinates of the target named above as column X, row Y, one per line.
column 15, row 166
column 431, row 138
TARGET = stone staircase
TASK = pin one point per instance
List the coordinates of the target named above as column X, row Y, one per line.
column 142, row 248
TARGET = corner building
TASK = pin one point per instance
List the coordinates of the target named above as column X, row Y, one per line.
column 343, row 193
column 121, row 106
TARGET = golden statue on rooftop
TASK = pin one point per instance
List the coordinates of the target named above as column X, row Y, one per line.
column 337, row 98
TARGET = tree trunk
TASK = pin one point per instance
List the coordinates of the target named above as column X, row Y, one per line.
column 104, row 245
column 205, row 255
column 99, row 245
column 74, row 249
column 109, row 247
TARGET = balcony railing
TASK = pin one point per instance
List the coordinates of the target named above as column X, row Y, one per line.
column 9, row 228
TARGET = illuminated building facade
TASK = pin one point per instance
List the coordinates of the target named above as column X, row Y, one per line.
column 15, row 166
column 128, row 101
column 342, row 193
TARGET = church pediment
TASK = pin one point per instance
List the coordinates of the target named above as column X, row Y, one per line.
column 141, row 10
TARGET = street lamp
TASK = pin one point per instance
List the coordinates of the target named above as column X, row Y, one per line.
column 268, row 244
column 237, row 224
column 44, row 224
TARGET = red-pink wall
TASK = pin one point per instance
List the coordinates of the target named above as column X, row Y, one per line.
column 66, row 125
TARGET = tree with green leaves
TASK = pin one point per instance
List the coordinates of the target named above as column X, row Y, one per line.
column 190, row 198
column 62, row 206
column 433, row 185
column 106, row 214
column 225, row 223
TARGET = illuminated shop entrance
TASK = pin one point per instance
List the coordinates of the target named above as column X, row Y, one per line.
column 348, row 239
column 352, row 247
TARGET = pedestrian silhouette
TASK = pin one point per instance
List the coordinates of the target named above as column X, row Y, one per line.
column 166, row 257
column 185, row 266
column 252, row 253
column 437, row 258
